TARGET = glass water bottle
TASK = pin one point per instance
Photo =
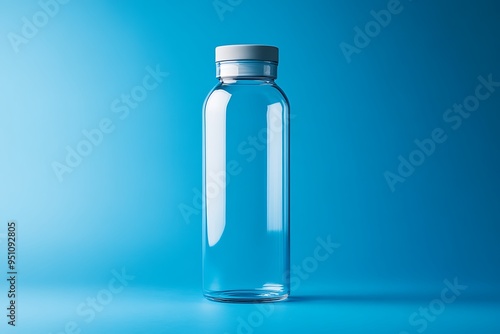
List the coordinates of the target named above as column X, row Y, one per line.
column 246, row 235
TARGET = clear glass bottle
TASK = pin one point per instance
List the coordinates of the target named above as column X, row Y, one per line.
column 246, row 236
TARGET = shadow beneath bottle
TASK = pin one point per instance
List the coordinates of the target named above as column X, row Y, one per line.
column 383, row 298
column 334, row 298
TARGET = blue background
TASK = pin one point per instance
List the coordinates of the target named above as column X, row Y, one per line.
column 119, row 208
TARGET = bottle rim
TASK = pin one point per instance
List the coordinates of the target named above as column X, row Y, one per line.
column 244, row 69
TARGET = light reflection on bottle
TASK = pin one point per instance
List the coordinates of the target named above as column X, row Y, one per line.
column 274, row 167
column 215, row 164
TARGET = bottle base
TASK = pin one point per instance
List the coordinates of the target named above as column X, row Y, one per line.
column 246, row 296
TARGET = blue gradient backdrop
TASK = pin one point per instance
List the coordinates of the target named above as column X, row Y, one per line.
column 120, row 207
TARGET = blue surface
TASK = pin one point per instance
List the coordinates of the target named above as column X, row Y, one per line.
column 353, row 117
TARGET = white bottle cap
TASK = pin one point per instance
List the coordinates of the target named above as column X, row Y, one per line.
column 246, row 52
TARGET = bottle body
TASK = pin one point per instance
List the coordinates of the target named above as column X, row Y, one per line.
column 246, row 191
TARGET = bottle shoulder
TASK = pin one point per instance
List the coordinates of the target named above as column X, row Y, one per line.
column 266, row 92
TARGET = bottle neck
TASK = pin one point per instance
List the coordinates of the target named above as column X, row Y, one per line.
column 246, row 70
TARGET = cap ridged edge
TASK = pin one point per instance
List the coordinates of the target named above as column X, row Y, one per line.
column 246, row 52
